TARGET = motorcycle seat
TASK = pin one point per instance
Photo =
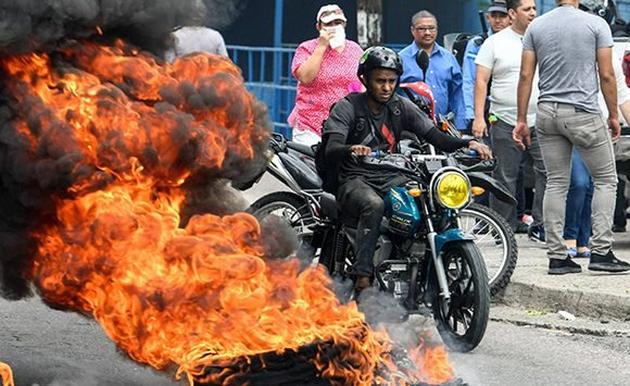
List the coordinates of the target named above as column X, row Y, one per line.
column 304, row 149
column 306, row 177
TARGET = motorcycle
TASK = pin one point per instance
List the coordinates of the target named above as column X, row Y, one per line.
column 293, row 165
column 423, row 258
column 407, row 264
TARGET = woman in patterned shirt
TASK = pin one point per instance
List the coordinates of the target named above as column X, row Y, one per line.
column 326, row 70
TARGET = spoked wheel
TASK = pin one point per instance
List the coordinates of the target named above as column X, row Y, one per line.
column 495, row 240
column 463, row 318
column 290, row 208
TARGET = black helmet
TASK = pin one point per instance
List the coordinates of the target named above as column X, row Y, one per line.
column 605, row 9
column 379, row 57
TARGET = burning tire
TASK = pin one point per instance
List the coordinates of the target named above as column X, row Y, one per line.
column 326, row 362
column 462, row 320
column 292, row 367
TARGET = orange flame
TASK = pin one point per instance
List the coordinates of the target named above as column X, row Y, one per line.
column 190, row 296
column 432, row 364
column 6, row 375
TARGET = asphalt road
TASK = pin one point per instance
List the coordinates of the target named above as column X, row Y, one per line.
column 511, row 355
column 49, row 347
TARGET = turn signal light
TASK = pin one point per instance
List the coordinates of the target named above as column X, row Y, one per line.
column 477, row 191
column 415, row 192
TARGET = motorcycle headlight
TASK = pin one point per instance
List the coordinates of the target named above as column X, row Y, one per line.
column 452, row 190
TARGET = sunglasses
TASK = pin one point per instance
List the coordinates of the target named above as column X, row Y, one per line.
column 425, row 29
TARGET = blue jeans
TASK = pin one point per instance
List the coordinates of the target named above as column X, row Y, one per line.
column 577, row 225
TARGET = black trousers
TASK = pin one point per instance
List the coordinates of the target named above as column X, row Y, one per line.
column 359, row 200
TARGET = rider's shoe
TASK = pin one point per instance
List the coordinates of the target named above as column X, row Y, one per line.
column 607, row 263
column 360, row 284
column 563, row 266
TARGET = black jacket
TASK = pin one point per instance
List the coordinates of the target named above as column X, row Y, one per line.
column 351, row 123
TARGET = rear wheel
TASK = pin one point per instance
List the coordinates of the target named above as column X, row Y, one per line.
column 462, row 319
column 495, row 240
column 291, row 208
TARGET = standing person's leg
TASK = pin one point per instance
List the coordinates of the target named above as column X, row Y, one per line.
column 577, row 226
column 556, row 150
column 537, row 231
column 586, row 225
column 591, row 137
column 520, row 189
column 619, row 219
column 529, row 180
column 508, row 160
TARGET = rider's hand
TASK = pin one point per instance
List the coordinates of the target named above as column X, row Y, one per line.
column 521, row 135
column 615, row 128
column 324, row 37
column 360, row 150
column 481, row 149
column 479, row 128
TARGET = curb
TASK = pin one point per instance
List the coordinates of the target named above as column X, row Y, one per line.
column 555, row 322
column 579, row 303
column 560, row 327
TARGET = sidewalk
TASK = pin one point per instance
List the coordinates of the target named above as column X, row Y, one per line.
column 588, row 294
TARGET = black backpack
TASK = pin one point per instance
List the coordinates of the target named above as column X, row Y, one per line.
column 330, row 173
column 461, row 42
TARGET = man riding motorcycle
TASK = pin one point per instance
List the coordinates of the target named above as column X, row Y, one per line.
column 361, row 123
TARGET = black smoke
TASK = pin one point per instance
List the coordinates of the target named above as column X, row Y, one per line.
column 221, row 13
column 29, row 25
column 34, row 178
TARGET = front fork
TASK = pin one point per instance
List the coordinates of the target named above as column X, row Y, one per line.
column 437, row 260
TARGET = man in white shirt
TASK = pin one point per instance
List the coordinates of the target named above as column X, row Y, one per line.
column 499, row 59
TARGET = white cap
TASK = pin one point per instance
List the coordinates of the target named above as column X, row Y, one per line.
column 330, row 12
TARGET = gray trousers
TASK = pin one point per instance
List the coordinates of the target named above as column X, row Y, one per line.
column 508, row 163
column 560, row 128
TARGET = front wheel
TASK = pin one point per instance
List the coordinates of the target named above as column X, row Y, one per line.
column 462, row 319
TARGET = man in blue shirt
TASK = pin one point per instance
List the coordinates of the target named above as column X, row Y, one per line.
column 444, row 75
column 498, row 19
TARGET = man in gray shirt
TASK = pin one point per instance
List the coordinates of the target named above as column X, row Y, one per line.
column 572, row 48
column 191, row 39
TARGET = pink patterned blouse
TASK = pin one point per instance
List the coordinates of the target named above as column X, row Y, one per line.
column 337, row 77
